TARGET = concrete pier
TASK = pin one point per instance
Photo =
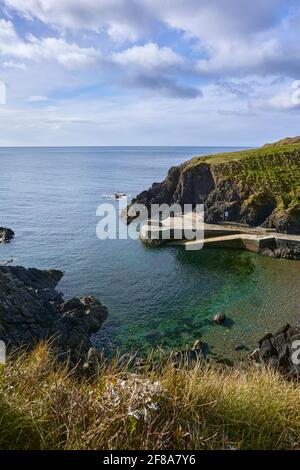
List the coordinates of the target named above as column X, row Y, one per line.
column 231, row 235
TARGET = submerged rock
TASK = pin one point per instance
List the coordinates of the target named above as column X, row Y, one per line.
column 219, row 318
column 241, row 347
column 280, row 351
column 32, row 310
column 189, row 355
column 6, row 234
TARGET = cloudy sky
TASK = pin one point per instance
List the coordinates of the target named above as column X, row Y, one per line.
column 149, row 72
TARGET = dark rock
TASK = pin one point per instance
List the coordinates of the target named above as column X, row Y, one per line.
column 283, row 222
column 286, row 249
column 219, row 318
column 280, row 351
column 32, row 310
column 241, row 347
column 153, row 242
column 152, row 336
column 254, row 356
column 265, row 338
column 189, row 354
column 284, row 329
column 179, row 187
column 93, row 360
column 198, row 345
column 6, row 234
column 119, row 195
column 5, row 262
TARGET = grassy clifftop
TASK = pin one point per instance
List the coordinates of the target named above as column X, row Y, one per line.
column 262, row 152
column 186, row 407
column 257, row 186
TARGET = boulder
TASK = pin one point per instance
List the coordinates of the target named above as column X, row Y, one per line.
column 6, row 234
column 219, row 318
column 189, row 355
column 280, row 350
column 32, row 310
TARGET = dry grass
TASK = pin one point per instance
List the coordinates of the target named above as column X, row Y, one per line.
column 196, row 407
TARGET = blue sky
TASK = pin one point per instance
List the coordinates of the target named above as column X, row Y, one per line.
column 149, row 72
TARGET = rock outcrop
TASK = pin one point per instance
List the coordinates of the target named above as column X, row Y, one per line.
column 6, row 234
column 254, row 187
column 286, row 249
column 219, row 318
column 280, row 351
column 32, row 310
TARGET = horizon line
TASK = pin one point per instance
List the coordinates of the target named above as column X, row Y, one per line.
column 122, row 146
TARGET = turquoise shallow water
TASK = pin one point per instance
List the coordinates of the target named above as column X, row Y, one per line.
column 163, row 296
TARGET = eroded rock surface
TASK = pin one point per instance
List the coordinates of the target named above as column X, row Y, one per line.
column 31, row 310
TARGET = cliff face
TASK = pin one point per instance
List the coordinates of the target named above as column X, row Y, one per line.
column 257, row 187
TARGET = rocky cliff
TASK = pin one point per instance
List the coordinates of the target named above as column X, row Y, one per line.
column 32, row 310
column 256, row 187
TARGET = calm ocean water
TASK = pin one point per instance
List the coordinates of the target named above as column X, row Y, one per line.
column 161, row 296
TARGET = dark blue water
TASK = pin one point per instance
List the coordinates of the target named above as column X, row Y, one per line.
column 155, row 296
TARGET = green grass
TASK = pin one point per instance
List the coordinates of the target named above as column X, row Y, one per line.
column 267, row 172
column 162, row 407
column 284, row 150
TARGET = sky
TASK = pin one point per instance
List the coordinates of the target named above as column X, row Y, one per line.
column 149, row 72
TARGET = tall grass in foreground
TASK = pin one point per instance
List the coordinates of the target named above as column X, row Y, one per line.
column 197, row 407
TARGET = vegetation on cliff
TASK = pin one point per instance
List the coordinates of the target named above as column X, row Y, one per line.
column 258, row 186
column 269, row 176
column 43, row 406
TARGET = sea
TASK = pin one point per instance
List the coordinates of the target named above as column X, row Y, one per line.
column 157, row 297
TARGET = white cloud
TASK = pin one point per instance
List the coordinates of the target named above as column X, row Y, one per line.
column 229, row 57
column 155, row 69
column 148, row 57
column 280, row 101
column 49, row 48
column 241, row 53
column 212, row 20
column 238, row 35
column 201, row 18
column 124, row 19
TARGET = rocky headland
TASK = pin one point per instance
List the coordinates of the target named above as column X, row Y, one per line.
column 257, row 187
column 32, row 310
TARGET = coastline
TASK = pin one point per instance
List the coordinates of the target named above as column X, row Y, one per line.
column 184, row 323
